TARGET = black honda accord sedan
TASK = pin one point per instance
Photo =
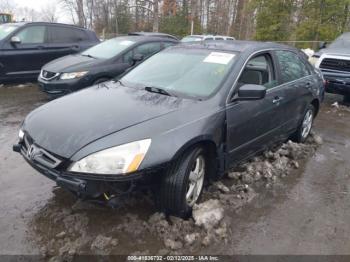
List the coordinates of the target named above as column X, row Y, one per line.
column 182, row 117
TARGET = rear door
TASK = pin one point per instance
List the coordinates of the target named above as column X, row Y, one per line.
column 253, row 125
column 64, row 40
column 296, row 79
column 25, row 59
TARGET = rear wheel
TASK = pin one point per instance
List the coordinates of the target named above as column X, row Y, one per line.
column 182, row 185
column 305, row 127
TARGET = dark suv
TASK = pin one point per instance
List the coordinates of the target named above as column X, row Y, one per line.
column 26, row 47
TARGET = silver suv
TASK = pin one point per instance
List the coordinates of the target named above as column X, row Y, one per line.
column 196, row 38
column 334, row 62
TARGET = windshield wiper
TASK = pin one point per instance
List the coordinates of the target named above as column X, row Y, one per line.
column 158, row 90
column 88, row 55
column 119, row 82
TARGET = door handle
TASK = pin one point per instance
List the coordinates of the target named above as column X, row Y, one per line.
column 277, row 100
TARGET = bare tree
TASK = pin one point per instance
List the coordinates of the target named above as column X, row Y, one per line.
column 49, row 13
column 7, row 6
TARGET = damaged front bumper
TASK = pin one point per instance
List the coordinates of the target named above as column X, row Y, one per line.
column 337, row 83
column 86, row 186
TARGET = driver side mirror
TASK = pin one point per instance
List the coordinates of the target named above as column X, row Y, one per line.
column 251, row 92
column 137, row 58
column 322, row 45
column 15, row 40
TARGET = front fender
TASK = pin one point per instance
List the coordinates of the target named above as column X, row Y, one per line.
column 170, row 137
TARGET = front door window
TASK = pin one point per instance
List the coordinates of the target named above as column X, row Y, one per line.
column 32, row 35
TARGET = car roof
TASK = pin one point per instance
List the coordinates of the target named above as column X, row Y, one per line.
column 141, row 38
column 48, row 23
column 153, row 34
column 224, row 36
column 199, row 36
column 234, row 46
column 209, row 36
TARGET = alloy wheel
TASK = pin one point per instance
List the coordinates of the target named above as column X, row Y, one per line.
column 196, row 180
column 307, row 123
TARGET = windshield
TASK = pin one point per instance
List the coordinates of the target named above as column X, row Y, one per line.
column 191, row 39
column 342, row 41
column 109, row 48
column 5, row 30
column 190, row 72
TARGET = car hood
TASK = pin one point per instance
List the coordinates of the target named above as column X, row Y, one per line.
column 334, row 51
column 72, row 63
column 67, row 124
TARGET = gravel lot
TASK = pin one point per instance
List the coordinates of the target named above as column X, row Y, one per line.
column 292, row 200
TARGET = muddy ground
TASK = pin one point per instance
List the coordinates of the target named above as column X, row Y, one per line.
column 292, row 200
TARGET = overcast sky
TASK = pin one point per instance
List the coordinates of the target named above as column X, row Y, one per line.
column 37, row 5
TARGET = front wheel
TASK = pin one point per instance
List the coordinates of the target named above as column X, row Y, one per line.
column 182, row 185
column 305, row 127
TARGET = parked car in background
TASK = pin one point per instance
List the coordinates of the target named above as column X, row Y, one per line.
column 196, row 38
column 5, row 18
column 26, row 47
column 154, row 34
column 185, row 115
column 99, row 63
column 334, row 62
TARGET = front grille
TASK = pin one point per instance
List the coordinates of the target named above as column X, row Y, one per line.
column 335, row 64
column 47, row 75
column 37, row 154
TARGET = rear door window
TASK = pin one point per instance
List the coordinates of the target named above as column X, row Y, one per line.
column 292, row 67
column 32, row 35
column 59, row 34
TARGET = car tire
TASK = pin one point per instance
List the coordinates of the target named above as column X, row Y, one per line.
column 305, row 126
column 100, row 80
column 185, row 175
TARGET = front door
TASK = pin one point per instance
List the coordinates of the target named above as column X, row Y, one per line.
column 253, row 125
column 25, row 59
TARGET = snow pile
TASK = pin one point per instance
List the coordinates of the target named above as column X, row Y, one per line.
column 309, row 52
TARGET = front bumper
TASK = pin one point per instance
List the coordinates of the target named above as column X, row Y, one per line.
column 56, row 87
column 337, row 83
column 85, row 185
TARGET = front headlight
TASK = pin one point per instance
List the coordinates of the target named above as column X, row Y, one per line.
column 112, row 161
column 66, row 76
column 21, row 135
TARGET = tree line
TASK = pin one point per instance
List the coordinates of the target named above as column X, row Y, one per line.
column 265, row 20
